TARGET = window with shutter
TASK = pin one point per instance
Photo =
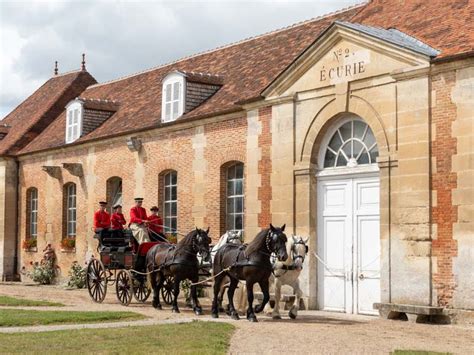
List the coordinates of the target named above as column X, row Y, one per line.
column 173, row 97
column 73, row 120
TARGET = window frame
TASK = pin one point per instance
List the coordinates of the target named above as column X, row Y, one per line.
column 344, row 170
column 169, row 83
column 68, row 209
column 168, row 218
column 74, row 108
column 32, row 201
column 234, row 196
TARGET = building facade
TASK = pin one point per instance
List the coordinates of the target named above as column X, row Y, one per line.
column 355, row 129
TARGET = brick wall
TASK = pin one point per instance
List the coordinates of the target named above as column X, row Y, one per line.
column 444, row 180
column 140, row 172
column 265, row 167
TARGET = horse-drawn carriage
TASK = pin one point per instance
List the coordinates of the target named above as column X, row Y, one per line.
column 122, row 264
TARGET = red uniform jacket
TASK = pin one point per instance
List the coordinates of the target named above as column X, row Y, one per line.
column 156, row 223
column 101, row 219
column 118, row 221
column 138, row 215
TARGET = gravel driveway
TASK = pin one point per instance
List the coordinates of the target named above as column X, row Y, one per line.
column 314, row 332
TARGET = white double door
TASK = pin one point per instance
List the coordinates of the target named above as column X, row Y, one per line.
column 349, row 244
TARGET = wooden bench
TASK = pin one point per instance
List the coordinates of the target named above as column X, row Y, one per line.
column 413, row 313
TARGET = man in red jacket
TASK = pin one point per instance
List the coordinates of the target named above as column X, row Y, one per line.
column 117, row 219
column 139, row 221
column 155, row 225
column 101, row 220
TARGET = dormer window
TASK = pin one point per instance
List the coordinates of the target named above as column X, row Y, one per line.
column 173, row 94
column 74, row 113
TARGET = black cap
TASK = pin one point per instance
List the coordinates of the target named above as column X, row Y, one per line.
column 138, row 198
column 154, row 208
column 117, row 206
column 102, row 203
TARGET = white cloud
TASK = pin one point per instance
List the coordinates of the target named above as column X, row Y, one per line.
column 121, row 38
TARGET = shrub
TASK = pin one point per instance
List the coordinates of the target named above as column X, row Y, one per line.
column 43, row 272
column 77, row 276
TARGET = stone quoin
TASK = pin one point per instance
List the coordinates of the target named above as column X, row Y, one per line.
column 354, row 128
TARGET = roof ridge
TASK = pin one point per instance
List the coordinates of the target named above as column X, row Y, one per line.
column 67, row 73
column 248, row 39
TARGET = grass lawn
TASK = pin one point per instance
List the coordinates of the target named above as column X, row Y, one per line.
column 23, row 302
column 21, row 317
column 186, row 338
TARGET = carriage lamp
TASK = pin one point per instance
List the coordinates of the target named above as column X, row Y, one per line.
column 134, row 144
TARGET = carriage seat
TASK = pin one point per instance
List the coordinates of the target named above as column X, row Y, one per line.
column 116, row 240
column 144, row 247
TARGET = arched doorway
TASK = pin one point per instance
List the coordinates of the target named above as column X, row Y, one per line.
column 348, row 218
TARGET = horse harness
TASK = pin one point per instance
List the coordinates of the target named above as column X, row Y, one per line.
column 292, row 266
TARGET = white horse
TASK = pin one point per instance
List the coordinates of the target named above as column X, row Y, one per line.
column 285, row 273
column 288, row 273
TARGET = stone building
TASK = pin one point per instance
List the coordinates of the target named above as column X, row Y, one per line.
column 355, row 129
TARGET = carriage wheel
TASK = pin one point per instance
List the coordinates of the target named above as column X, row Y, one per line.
column 141, row 292
column 167, row 290
column 96, row 280
column 124, row 287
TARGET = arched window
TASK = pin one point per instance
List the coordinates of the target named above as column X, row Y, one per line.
column 69, row 210
column 32, row 213
column 235, row 197
column 114, row 192
column 170, row 201
column 352, row 144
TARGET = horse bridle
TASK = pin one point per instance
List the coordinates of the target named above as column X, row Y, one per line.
column 293, row 251
column 268, row 240
column 195, row 244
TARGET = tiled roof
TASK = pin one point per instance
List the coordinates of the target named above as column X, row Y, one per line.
column 446, row 25
column 247, row 67
column 394, row 36
column 34, row 114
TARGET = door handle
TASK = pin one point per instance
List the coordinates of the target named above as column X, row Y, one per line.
column 361, row 276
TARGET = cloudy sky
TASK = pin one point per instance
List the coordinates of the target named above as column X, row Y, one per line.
column 123, row 37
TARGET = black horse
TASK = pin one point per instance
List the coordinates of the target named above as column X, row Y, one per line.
column 250, row 263
column 179, row 261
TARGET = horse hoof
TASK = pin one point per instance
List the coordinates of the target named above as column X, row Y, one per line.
column 276, row 317
column 215, row 315
column 235, row 316
column 252, row 319
column 175, row 310
column 292, row 315
column 258, row 308
column 198, row 312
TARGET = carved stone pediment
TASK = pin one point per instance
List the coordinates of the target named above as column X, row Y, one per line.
column 53, row 171
column 74, row 169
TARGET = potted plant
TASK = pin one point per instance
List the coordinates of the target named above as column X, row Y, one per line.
column 29, row 244
column 68, row 243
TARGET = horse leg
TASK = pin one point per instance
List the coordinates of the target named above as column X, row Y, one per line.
column 196, row 306
column 293, row 313
column 156, row 291
column 268, row 308
column 230, row 294
column 276, row 309
column 215, row 300
column 175, row 308
column 250, row 313
column 266, row 295
column 156, row 295
column 221, row 297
